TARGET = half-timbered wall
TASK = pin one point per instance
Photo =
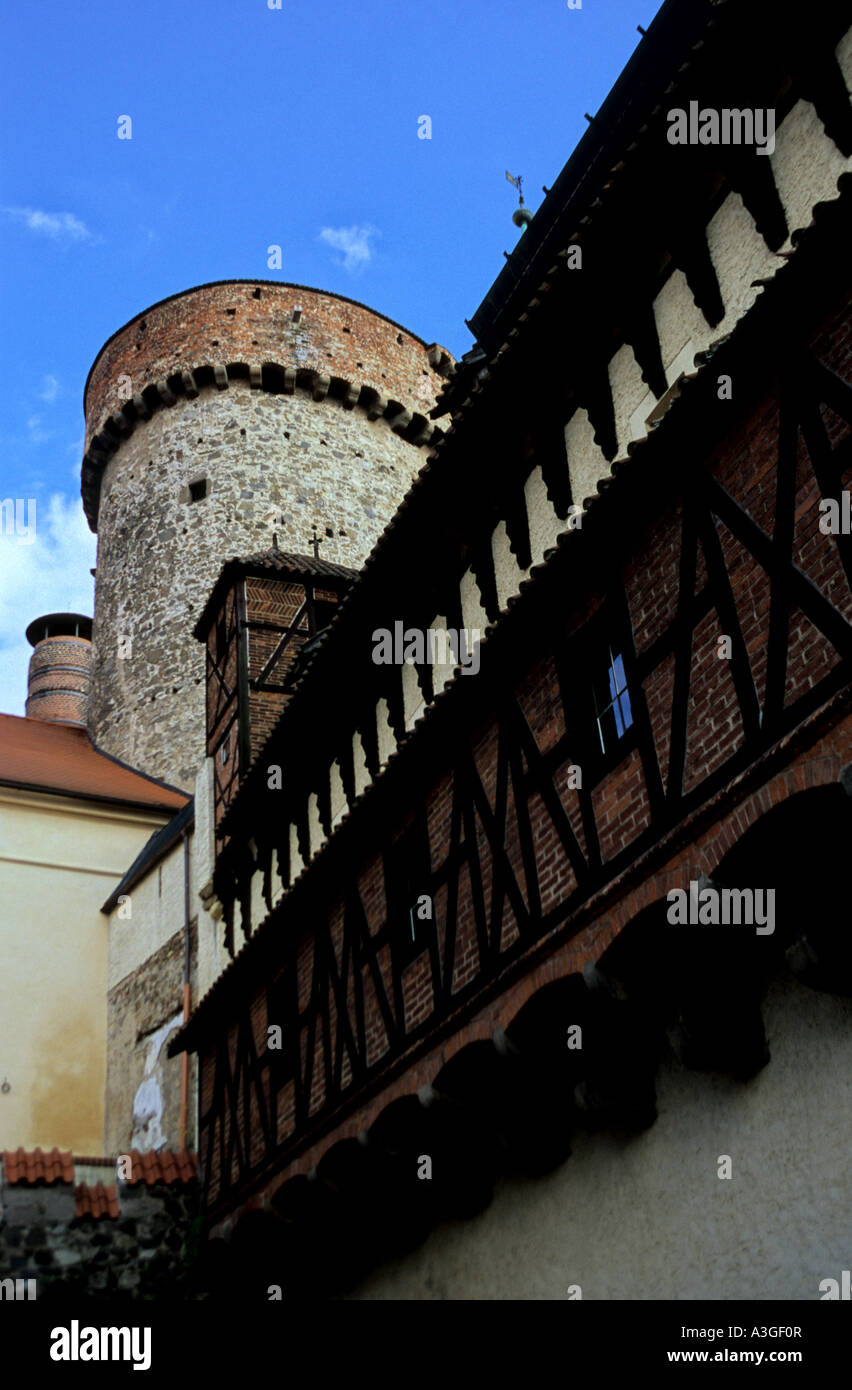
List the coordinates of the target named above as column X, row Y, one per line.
column 252, row 642
column 225, row 664
column 511, row 848
column 274, row 610
column 698, row 571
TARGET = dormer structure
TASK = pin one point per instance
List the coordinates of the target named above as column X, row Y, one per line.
column 255, row 626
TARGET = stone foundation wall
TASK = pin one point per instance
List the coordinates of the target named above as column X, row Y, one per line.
column 146, row 1252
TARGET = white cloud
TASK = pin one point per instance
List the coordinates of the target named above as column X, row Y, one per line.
column 59, row 226
column 49, row 576
column 35, row 433
column 354, row 242
column 76, row 452
column 49, row 389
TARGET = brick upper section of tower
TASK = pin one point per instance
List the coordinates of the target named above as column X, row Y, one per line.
column 252, row 322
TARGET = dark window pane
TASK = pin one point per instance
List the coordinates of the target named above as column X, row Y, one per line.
column 617, row 678
column 614, row 715
column 608, row 728
column 623, row 702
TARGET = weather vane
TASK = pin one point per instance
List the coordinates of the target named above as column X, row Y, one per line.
column 522, row 215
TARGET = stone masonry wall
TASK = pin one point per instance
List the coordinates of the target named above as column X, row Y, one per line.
column 283, row 430
column 273, row 464
column 148, row 1251
column 143, row 1084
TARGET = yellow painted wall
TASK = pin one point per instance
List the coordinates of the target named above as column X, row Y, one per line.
column 59, row 860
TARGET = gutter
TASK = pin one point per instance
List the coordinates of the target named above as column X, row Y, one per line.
column 187, row 991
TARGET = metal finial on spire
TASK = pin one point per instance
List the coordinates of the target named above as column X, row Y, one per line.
column 517, row 182
column 522, row 215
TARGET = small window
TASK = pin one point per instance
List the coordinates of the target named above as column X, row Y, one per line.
column 225, row 751
column 612, row 702
column 198, row 490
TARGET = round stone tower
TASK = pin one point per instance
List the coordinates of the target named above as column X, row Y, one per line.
column 214, row 420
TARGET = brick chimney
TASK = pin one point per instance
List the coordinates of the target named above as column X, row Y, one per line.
column 60, row 668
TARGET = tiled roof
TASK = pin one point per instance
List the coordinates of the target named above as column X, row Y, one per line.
column 35, row 1166
column 92, row 1161
column 58, row 758
column 165, row 1167
column 300, row 564
column 96, row 1202
column 270, row 562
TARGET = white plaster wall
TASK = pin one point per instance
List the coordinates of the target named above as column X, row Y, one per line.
column 679, row 320
column 545, row 527
column 648, row 1218
column 630, row 396
column 802, row 183
column 59, row 860
column 507, row 572
column 442, row 671
column 212, row 956
column 157, row 912
column 586, row 464
column 157, row 908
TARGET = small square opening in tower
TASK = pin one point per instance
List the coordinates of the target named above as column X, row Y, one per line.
column 198, row 490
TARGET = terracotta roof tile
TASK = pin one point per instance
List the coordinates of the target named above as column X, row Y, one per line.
column 96, row 1202
column 300, row 564
column 165, row 1167
column 271, row 562
column 59, row 758
column 35, row 1166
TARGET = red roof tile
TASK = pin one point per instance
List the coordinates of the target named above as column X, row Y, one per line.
column 166, row 1167
column 96, row 1202
column 21, row 1165
column 59, row 758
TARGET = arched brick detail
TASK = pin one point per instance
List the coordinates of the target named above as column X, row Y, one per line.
column 480, row 1030
column 818, row 770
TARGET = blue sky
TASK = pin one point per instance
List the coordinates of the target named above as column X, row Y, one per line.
column 253, row 126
